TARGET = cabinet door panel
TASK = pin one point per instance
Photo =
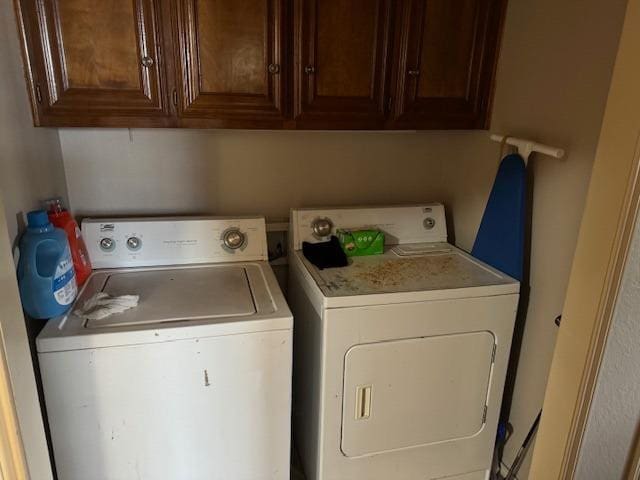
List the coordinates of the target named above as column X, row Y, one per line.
column 445, row 62
column 446, row 59
column 345, row 69
column 231, row 55
column 94, row 63
column 232, row 46
column 97, row 44
column 341, row 52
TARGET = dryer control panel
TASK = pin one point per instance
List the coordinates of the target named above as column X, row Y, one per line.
column 401, row 224
column 141, row 242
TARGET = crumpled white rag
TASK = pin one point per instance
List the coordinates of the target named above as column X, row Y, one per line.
column 102, row 305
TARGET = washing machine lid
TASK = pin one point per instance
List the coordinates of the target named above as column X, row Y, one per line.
column 436, row 268
column 175, row 303
column 177, row 295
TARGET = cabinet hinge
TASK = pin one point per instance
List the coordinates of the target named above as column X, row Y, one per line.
column 493, row 354
column 484, row 414
column 38, row 93
column 175, row 97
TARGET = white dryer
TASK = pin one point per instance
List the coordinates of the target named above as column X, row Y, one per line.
column 195, row 382
column 399, row 359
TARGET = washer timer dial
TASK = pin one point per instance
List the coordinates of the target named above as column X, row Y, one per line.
column 233, row 239
column 134, row 243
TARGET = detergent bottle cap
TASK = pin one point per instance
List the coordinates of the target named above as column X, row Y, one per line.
column 37, row 219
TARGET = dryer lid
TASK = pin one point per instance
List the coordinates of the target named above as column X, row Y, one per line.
column 427, row 267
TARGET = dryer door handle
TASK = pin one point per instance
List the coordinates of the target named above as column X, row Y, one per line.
column 363, row 402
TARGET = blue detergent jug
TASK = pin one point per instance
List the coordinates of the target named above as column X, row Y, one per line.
column 45, row 271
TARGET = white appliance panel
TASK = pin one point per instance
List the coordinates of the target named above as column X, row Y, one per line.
column 405, row 393
column 345, row 328
column 200, row 409
column 139, row 242
column 400, row 224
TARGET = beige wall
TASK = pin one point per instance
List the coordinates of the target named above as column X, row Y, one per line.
column 552, row 84
column 593, row 299
column 238, row 172
column 30, row 160
column 30, row 169
column 553, row 79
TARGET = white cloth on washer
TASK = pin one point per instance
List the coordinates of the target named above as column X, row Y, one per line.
column 103, row 305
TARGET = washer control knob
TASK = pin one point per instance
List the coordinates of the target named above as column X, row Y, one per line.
column 234, row 239
column 134, row 243
column 321, row 227
column 107, row 244
column 429, row 223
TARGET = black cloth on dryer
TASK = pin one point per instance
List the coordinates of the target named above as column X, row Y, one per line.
column 326, row 254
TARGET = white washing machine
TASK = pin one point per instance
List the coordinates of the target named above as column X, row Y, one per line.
column 399, row 359
column 195, row 382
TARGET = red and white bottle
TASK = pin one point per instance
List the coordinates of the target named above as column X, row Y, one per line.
column 61, row 218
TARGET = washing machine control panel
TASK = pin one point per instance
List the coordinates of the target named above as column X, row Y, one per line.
column 129, row 242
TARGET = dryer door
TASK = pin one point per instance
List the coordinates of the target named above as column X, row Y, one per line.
column 405, row 393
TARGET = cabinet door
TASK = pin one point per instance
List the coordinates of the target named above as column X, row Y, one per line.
column 94, row 63
column 341, row 55
column 445, row 62
column 231, row 62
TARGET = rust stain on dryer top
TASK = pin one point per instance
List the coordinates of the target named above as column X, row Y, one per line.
column 391, row 273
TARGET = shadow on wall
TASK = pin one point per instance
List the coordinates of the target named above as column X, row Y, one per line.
column 20, row 227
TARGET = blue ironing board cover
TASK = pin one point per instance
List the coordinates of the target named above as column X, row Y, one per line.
column 500, row 239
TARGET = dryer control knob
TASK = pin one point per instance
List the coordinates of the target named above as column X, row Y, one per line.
column 429, row 223
column 321, row 227
column 234, row 239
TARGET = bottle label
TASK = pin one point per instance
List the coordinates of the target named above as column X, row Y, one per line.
column 64, row 280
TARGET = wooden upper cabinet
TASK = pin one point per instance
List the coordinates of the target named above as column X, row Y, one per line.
column 341, row 50
column 305, row 64
column 446, row 53
column 231, row 62
column 94, row 63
